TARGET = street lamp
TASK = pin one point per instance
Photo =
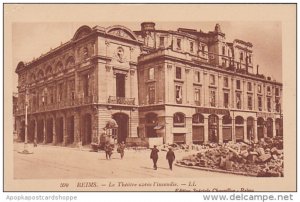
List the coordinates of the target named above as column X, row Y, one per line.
column 25, row 151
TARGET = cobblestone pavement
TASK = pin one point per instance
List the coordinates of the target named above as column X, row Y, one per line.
column 54, row 162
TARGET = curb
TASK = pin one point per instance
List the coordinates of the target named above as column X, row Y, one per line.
column 216, row 170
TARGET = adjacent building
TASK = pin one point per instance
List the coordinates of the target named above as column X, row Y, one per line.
column 184, row 86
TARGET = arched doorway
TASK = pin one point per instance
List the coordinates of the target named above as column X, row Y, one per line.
column 151, row 122
column 198, row 128
column 122, row 121
column 270, row 127
column 260, row 128
column 49, row 131
column 227, row 128
column 31, row 131
column 40, row 131
column 250, row 128
column 86, row 129
column 278, row 125
column 59, row 129
column 70, row 130
column 239, row 128
column 213, row 128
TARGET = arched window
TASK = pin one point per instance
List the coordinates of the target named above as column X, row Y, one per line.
column 59, row 67
column 151, row 118
column 239, row 120
column 198, row 118
column 179, row 120
column 227, row 119
column 32, row 77
column 48, row 71
column 41, row 74
column 70, row 62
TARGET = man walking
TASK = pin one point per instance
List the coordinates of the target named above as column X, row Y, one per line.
column 154, row 156
column 170, row 157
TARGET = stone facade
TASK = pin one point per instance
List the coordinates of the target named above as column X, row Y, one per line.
column 184, row 86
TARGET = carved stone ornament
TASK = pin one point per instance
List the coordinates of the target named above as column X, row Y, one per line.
column 132, row 71
column 107, row 43
column 108, row 68
column 120, row 55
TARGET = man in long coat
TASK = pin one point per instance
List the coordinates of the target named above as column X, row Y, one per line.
column 154, row 156
column 170, row 157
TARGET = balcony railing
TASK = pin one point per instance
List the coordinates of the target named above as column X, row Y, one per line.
column 120, row 100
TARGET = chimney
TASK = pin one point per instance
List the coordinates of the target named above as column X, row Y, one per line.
column 148, row 26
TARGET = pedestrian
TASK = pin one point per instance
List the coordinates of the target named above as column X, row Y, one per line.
column 170, row 157
column 34, row 142
column 154, row 156
column 108, row 150
column 121, row 149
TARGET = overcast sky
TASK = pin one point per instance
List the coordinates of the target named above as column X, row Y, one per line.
column 33, row 39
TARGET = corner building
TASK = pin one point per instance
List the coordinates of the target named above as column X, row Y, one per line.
column 185, row 86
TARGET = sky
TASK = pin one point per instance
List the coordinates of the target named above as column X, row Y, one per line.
column 30, row 40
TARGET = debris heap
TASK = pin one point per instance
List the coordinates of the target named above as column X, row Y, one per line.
column 264, row 159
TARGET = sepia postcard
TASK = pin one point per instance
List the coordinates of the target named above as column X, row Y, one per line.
column 150, row 97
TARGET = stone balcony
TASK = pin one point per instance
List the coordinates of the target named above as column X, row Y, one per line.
column 121, row 100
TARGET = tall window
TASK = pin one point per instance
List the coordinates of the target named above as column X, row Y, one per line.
column 269, row 104
column 226, row 82
column 250, row 102
column 197, row 97
column 238, row 101
column 277, row 102
column 191, row 46
column 249, row 86
column 178, row 94
column 86, row 85
column 250, row 59
column 72, row 89
column 151, row 93
column 151, row 73
column 276, row 91
column 223, row 50
column 226, row 100
column 178, row 120
column 241, row 56
column 197, row 76
column 161, row 41
column 259, row 88
column 268, row 89
column 178, row 73
column 259, row 100
column 238, row 84
column 212, row 80
column 179, row 44
column 212, row 98
column 60, row 92
column 120, row 85
column 202, row 49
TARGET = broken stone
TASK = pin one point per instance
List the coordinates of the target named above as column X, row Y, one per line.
column 260, row 151
column 275, row 157
column 265, row 157
column 228, row 165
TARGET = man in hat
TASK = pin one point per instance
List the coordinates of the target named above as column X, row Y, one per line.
column 154, row 156
column 170, row 157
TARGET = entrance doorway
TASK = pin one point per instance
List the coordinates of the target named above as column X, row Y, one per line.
column 239, row 128
column 260, row 128
column 213, row 128
column 151, row 122
column 250, row 128
column 86, row 132
column 40, row 131
column 270, row 127
column 122, row 121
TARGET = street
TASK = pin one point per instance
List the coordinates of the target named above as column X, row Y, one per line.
column 55, row 162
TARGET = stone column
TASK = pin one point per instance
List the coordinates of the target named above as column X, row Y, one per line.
column 76, row 127
column 65, row 134
column 44, row 131
column 220, row 129
column 54, row 140
column 205, row 128
column 188, row 136
column 233, row 129
column 35, row 130
column 169, row 126
column 255, row 131
column 274, row 128
column 245, row 129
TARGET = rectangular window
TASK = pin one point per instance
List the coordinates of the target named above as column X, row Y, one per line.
column 238, row 84
column 178, row 92
column 151, row 93
column 276, row 91
column 250, row 102
column 226, row 82
column 223, row 50
column 120, row 85
column 191, row 46
column 86, row 85
column 197, row 76
column 241, row 56
column 203, row 49
column 60, row 92
column 259, row 88
column 161, row 41
column 269, row 104
column 238, row 101
column 179, row 44
column 151, row 73
column 72, row 89
column 212, row 98
column 249, row 86
column 226, row 100
column 212, row 80
column 259, row 103
column 178, row 72
column 250, row 59
column 277, row 102
column 197, row 96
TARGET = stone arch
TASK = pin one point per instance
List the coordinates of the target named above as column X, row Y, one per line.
column 41, row 74
column 81, row 32
column 121, row 31
column 59, row 67
column 227, row 128
column 69, row 62
column 32, row 77
column 260, row 127
column 197, row 128
column 122, row 120
column 179, row 119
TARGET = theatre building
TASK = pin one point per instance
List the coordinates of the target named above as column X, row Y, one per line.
column 76, row 89
column 183, row 86
column 196, row 87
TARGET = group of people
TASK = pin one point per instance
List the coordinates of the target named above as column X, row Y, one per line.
column 108, row 148
column 154, row 156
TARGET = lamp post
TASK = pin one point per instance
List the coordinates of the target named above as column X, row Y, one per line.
column 25, row 151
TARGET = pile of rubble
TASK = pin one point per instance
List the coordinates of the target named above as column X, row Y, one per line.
column 264, row 159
